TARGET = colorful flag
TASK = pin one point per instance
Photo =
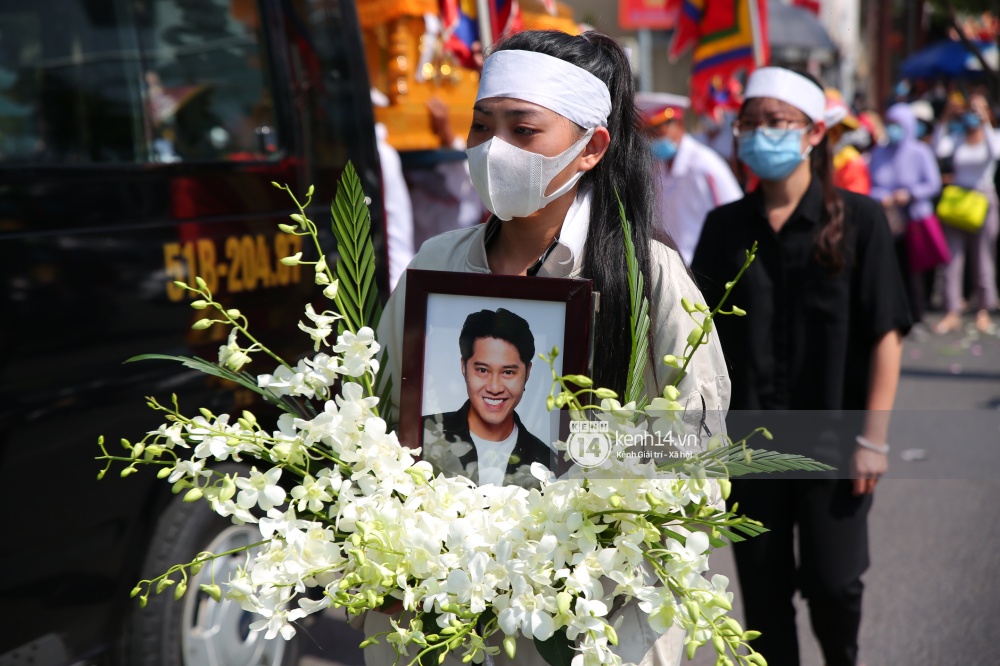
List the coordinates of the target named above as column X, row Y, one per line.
column 461, row 25
column 727, row 36
column 724, row 94
column 686, row 29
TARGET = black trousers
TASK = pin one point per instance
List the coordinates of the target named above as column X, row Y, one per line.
column 833, row 553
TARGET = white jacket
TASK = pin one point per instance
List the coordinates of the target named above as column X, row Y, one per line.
column 464, row 251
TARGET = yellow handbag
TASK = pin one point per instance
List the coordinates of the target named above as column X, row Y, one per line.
column 963, row 209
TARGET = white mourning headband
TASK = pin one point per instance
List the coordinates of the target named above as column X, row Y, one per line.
column 789, row 87
column 555, row 84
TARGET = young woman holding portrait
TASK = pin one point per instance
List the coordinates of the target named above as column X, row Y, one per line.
column 554, row 143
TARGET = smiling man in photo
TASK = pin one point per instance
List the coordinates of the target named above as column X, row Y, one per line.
column 485, row 439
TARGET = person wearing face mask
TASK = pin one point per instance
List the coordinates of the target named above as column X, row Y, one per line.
column 825, row 308
column 973, row 153
column 949, row 123
column 555, row 142
column 691, row 177
column 924, row 113
column 850, row 171
column 874, row 132
column 951, row 117
column 905, row 179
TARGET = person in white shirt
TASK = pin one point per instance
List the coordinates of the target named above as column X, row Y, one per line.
column 692, row 179
column 974, row 150
column 716, row 133
column 395, row 198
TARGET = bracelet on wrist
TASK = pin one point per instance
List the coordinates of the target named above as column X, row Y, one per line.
column 866, row 443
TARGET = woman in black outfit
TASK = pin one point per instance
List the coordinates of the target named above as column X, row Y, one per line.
column 826, row 310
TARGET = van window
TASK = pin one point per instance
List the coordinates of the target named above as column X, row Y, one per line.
column 121, row 81
column 329, row 103
column 68, row 90
column 206, row 87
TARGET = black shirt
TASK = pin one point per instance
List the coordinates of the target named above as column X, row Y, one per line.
column 807, row 337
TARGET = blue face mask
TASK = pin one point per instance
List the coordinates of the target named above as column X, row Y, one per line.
column 663, row 149
column 772, row 157
column 894, row 133
column 971, row 121
column 956, row 127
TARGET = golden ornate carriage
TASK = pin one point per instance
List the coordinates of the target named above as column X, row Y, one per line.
column 408, row 63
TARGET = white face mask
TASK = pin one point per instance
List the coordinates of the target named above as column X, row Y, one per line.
column 512, row 181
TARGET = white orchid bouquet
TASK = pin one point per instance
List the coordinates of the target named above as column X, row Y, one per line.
column 350, row 518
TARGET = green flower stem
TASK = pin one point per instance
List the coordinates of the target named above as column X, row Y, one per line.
column 567, row 397
column 197, row 560
column 330, row 456
column 203, row 291
column 751, row 255
column 180, row 418
column 132, row 460
column 717, row 632
column 662, row 574
column 454, row 641
column 312, row 232
column 260, row 443
column 688, row 594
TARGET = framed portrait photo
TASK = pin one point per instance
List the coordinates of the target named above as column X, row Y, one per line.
column 474, row 389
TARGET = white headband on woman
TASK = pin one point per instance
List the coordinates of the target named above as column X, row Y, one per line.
column 789, row 87
column 541, row 79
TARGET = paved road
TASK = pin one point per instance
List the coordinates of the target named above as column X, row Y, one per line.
column 933, row 591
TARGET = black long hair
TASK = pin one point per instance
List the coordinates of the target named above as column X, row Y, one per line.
column 626, row 169
column 828, row 245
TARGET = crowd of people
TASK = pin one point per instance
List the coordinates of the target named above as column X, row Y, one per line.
column 924, row 154
column 906, row 160
column 852, row 216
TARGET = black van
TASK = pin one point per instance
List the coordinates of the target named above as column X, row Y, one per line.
column 138, row 141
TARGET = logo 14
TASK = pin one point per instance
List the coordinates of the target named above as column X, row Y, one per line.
column 589, row 444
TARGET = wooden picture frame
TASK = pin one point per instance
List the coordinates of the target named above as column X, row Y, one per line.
column 559, row 312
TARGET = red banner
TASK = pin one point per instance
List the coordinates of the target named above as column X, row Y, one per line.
column 653, row 14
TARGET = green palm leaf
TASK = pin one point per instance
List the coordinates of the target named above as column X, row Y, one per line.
column 357, row 295
column 750, row 529
column 766, row 461
column 244, row 379
column 731, row 461
column 639, row 319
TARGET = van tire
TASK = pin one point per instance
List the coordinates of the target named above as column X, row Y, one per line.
column 171, row 633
